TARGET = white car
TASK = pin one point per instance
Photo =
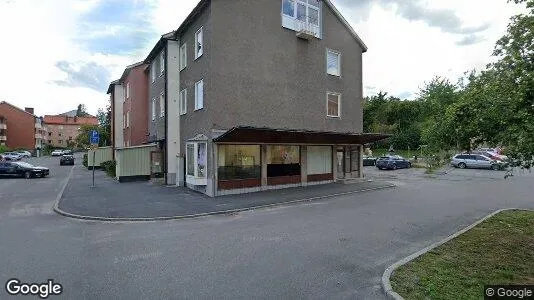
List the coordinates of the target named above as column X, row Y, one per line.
column 25, row 154
column 11, row 156
column 57, row 153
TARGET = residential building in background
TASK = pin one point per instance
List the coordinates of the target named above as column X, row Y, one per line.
column 116, row 98
column 135, row 105
column 41, row 133
column 63, row 129
column 19, row 127
column 237, row 105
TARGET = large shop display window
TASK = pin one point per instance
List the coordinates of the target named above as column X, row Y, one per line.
column 239, row 162
column 196, row 161
column 283, row 161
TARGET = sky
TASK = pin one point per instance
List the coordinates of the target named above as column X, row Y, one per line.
column 61, row 53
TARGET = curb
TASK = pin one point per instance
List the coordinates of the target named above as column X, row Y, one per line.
column 386, row 284
column 222, row 212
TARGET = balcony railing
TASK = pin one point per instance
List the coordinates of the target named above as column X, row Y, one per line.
column 3, row 138
column 38, row 125
column 38, row 136
column 3, row 126
column 306, row 29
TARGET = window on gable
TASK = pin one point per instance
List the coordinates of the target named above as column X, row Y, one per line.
column 162, row 62
column 153, row 109
column 288, row 8
column 183, row 102
column 153, row 71
column 128, row 90
column 333, row 105
column 199, row 43
column 183, row 57
column 199, row 95
column 302, row 14
column 333, row 63
column 162, row 105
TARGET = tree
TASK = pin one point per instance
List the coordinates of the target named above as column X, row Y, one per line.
column 81, row 111
column 82, row 140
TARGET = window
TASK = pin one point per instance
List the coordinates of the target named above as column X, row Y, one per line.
column 162, row 63
column 183, row 57
column 288, row 8
column 127, row 119
column 128, row 90
column 299, row 14
column 333, row 63
column 283, row 161
column 162, row 105
column 196, row 161
column 183, row 102
column 59, row 134
column 239, row 162
column 153, row 109
column 60, row 142
column 319, row 160
column 50, row 134
column 333, row 105
column 199, row 43
column 199, row 95
column 153, row 71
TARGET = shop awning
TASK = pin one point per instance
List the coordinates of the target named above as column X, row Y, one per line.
column 256, row 135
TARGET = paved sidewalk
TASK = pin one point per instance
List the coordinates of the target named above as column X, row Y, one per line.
column 110, row 199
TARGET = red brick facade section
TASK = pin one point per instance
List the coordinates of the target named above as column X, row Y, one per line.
column 283, row 180
column 238, row 184
column 20, row 127
column 320, row 177
column 62, row 129
column 137, row 105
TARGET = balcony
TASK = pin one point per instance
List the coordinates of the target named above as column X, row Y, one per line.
column 38, row 136
column 306, row 30
column 3, row 138
column 38, row 126
column 3, row 126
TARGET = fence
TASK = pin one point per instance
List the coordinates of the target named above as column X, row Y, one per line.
column 101, row 155
column 134, row 163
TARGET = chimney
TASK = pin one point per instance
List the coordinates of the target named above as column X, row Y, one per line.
column 29, row 110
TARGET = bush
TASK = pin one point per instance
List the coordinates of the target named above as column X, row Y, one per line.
column 3, row 149
column 110, row 167
column 85, row 160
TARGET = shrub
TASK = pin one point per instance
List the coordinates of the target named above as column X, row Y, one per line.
column 3, row 149
column 110, row 167
column 85, row 160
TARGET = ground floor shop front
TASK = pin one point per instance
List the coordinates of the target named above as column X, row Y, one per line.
column 251, row 160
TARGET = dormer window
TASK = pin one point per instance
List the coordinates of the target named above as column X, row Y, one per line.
column 303, row 16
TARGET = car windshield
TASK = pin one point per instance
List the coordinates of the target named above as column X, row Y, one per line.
column 23, row 164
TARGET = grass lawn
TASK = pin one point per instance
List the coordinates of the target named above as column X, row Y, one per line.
column 497, row 251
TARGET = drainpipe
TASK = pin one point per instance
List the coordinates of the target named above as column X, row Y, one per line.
column 166, row 153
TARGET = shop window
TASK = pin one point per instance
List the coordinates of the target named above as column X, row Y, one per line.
column 196, row 157
column 319, row 160
column 239, row 162
column 283, row 161
column 354, row 159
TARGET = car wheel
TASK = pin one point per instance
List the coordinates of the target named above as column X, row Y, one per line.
column 28, row 175
column 394, row 167
column 495, row 167
column 409, row 165
column 462, row 165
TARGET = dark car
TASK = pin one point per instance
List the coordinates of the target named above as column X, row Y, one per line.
column 66, row 159
column 369, row 160
column 22, row 169
column 392, row 163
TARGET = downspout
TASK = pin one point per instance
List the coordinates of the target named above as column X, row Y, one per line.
column 113, row 123
column 166, row 153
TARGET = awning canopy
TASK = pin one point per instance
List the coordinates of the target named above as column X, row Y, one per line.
column 255, row 135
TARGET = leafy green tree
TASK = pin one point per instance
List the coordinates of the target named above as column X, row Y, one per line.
column 81, row 111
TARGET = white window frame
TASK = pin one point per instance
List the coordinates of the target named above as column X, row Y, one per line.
column 338, row 104
column 153, row 71
column 196, row 179
column 162, row 63
column 338, row 54
column 127, row 90
column 183, row 101
column 198, row 54
column 290, row 21
column 199, row 104
column 153, row 109
column 183, row 56
column 127, row 119
column 162, row 105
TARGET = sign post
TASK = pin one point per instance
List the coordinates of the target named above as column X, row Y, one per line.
column 94, row 138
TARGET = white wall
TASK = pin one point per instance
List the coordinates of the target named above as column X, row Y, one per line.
column 174, row 163
column 118, row 99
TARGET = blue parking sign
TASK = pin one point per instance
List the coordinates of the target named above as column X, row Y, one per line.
column 94, row 137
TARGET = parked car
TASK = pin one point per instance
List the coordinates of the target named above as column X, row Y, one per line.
column 22, row 169
column 57, row 153
column 67, row 152
column 66, row 159
column 478, row 161
column 12, row 156
column 369, row 160
column 25, row 154
column 392, row 162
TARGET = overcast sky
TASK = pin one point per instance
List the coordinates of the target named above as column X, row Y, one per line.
column 59, row 53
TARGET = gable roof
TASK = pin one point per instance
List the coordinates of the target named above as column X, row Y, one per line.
column 113, row 83
column 159, row 45
column 129, row 68
column 17, row 108
column 347, row 25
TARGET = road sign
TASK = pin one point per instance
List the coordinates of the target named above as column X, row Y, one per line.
column 94, row 137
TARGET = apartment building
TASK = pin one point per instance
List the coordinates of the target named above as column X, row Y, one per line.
column 135, row 104
column 63, row 129
column 20, row 128
column 254, row 95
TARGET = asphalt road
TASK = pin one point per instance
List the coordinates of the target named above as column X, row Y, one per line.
column 336, row 248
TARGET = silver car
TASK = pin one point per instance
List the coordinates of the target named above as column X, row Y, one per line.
column 476, row 161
